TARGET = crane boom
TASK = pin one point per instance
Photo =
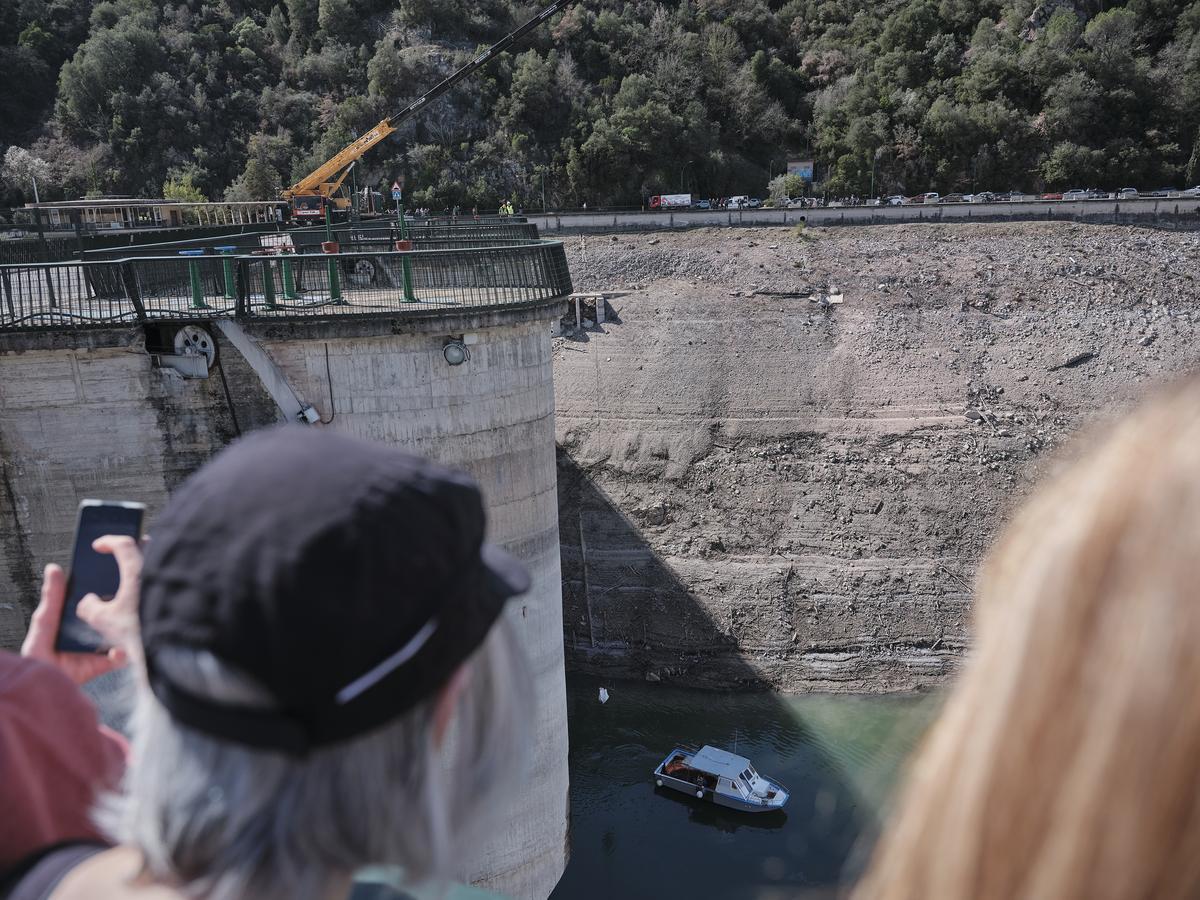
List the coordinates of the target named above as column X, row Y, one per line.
column 310, row 193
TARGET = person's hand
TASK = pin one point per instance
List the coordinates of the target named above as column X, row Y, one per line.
column 43, row 630
column 116, row 620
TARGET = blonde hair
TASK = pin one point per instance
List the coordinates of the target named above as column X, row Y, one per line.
column 1066, row 763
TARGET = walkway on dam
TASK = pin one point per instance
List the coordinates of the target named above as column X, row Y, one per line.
column 240, row 284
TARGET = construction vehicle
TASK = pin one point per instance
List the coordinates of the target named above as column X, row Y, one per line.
column 312, row 195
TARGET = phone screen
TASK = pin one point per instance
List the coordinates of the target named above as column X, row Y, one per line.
column 92, row 572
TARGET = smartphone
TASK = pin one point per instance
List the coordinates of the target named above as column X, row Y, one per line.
column 92, row 572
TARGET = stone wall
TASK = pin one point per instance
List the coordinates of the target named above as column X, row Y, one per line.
column 760, row 487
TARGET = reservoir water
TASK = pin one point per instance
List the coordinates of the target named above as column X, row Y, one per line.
column 838, row 755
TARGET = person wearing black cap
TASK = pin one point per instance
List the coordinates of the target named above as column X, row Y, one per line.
column 328, row 680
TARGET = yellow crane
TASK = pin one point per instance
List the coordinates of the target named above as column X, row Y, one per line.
column 311, row 194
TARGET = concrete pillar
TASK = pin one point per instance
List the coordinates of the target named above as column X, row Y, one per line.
column 494, row 416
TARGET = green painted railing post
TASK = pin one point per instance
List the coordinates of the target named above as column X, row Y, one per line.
column 330, row 247
column 335, row 287
column 268, row 277
column 289, row 278
column 406, row 264
column 227, row 268
column 194, row 278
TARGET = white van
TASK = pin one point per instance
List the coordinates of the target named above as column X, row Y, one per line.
column 741, row 202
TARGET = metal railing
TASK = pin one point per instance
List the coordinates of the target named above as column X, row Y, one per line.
column 424, row 235
column 29, row 251
column 205, row 286
column 376, row 236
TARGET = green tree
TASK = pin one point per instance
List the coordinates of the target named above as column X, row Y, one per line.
column 24, row 172
column 183, row 183
column 786, row 187
column 260, row 180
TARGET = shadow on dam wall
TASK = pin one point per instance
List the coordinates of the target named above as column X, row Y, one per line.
column 625, row 613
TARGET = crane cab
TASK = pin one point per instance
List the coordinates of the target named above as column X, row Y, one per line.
column 308, row 206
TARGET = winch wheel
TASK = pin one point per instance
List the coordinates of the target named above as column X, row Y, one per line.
column 195, row 339
column 363, row 272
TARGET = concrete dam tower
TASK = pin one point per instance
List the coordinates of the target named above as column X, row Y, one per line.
column 116, row 382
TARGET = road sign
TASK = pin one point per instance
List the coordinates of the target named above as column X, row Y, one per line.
column 396, row 193
column 396, row 186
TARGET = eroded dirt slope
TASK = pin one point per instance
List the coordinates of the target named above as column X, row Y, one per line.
column 757, row 488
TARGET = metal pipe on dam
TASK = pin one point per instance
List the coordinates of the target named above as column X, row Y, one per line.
column 87, row 413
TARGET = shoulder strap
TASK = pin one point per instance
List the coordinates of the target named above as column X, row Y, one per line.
column 40, row 879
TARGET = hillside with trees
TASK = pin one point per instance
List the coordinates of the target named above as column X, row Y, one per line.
column 612, row 102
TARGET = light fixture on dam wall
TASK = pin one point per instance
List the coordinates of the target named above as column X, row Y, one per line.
column 456, row 349
column 456, row 352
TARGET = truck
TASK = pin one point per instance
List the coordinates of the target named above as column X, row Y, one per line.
column 671, row 201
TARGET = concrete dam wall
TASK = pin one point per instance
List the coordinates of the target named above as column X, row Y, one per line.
column 89, row 414
column 782, row 456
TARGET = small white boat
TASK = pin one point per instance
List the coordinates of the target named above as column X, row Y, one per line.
column 721, row 777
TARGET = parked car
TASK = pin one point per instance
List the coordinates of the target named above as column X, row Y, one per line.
column 754, row 203
column 1127, row 194
column 1075, row 194
column 797, row 203
column 1191, row 192
column 983, row 197
column 930, row 197
column 701, row 204
column 1053, row 195
column 953, row 198
column 739, row 202
column 894, row 200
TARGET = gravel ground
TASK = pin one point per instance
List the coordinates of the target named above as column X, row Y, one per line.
column 762, row 487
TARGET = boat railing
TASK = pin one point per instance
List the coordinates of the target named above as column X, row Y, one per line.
column 779, row 786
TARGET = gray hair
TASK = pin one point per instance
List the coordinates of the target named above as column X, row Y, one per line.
column 231, row 822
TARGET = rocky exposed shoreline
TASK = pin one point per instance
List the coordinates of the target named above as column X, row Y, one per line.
column 760, row 488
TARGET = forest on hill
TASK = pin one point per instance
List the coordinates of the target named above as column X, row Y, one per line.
column 613, row 101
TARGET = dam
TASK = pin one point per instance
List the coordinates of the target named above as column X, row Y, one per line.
column 757, row 459
column 122, row 376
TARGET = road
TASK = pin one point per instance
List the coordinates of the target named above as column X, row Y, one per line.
column 1181, row 211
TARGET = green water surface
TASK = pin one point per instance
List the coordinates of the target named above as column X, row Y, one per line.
column 838, row 755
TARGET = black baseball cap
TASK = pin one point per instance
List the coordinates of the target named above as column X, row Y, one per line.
column 349, row 578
